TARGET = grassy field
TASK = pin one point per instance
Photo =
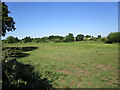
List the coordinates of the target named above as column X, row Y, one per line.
column 75, row 65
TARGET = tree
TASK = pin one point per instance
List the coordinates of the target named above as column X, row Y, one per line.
column 8, row 23
column 88, row 36
column 16, row 40
column 44, row 39
column 27, row 39
column 69, row 37
column 55, row 37
column 11, row 39
column 114, row 37
column 99, row 36
column 79, row 37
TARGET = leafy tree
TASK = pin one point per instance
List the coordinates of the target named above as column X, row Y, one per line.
column 114, row 37
column 79, row 37
column 16, row 40
column 69, row 37
column 37, row 40
column 88, row 36
column 99, row 36
column 27, row 39
column 55, row 37
column 11, row 39
column 44, row 39
column 8, row 23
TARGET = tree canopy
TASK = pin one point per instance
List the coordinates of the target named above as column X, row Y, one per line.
column 88, row 36
column 11, row 39
column 8, row 23
column 79, row 37
column 114, row 37
column 69, row 37
column 27, row 39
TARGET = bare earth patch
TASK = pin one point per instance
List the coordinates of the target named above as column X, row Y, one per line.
column 103, row 67
column 64, row 71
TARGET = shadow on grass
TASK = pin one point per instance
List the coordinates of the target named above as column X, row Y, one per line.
column 24, row 76
column 20, row 55
column 22, row 48
column 18, row 75
column 18, row 52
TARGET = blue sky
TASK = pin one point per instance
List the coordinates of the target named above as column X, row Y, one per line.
column 38, row 19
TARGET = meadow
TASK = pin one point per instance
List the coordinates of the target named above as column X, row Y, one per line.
column 85, row 64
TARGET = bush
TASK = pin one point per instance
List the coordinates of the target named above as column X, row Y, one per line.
column 93, row 38
column 88, row 36
column 57, row 40
column 103, row 39
column 99, row 36
column 114, row 37
column 27, row 39
column 79, row 37
column 11, row 39
column 69, row 37
column 108, row 41
column 17, row 75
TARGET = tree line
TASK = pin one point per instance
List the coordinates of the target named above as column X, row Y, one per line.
column 112, row 37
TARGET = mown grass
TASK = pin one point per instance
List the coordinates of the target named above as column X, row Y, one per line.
column 75, row 65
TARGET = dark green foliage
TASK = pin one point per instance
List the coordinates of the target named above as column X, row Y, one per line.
column 11, row 39
column 108, row 41
column 69, row 37
column 55, row 37
column 99, row 36
column 93, row 39
column 114, row 37
column 8, row 23
column 44, row 39
column 18, row 75
column 79, row 37
column 37, row 40
column 88, row 36
column 27, row 39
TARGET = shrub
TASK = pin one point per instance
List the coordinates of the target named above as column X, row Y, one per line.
column 93, row 38
column 58, row 40
column 88, row 36
column 11, row 39
column 79, row 37
column 114, row 37
column 99, row 36
column 103, row 39
column 18, row 75
column 108, row 41
column 27, row 39
column 69, row 37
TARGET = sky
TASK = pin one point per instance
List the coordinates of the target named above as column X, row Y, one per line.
column 39, row 19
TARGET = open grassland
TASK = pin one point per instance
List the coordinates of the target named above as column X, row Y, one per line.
column 74, row 65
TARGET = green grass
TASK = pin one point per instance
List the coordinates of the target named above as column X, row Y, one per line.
column 75, row 65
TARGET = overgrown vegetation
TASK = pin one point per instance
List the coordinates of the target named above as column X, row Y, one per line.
column 111, row 38
column 19, row 75
column 114, row 37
